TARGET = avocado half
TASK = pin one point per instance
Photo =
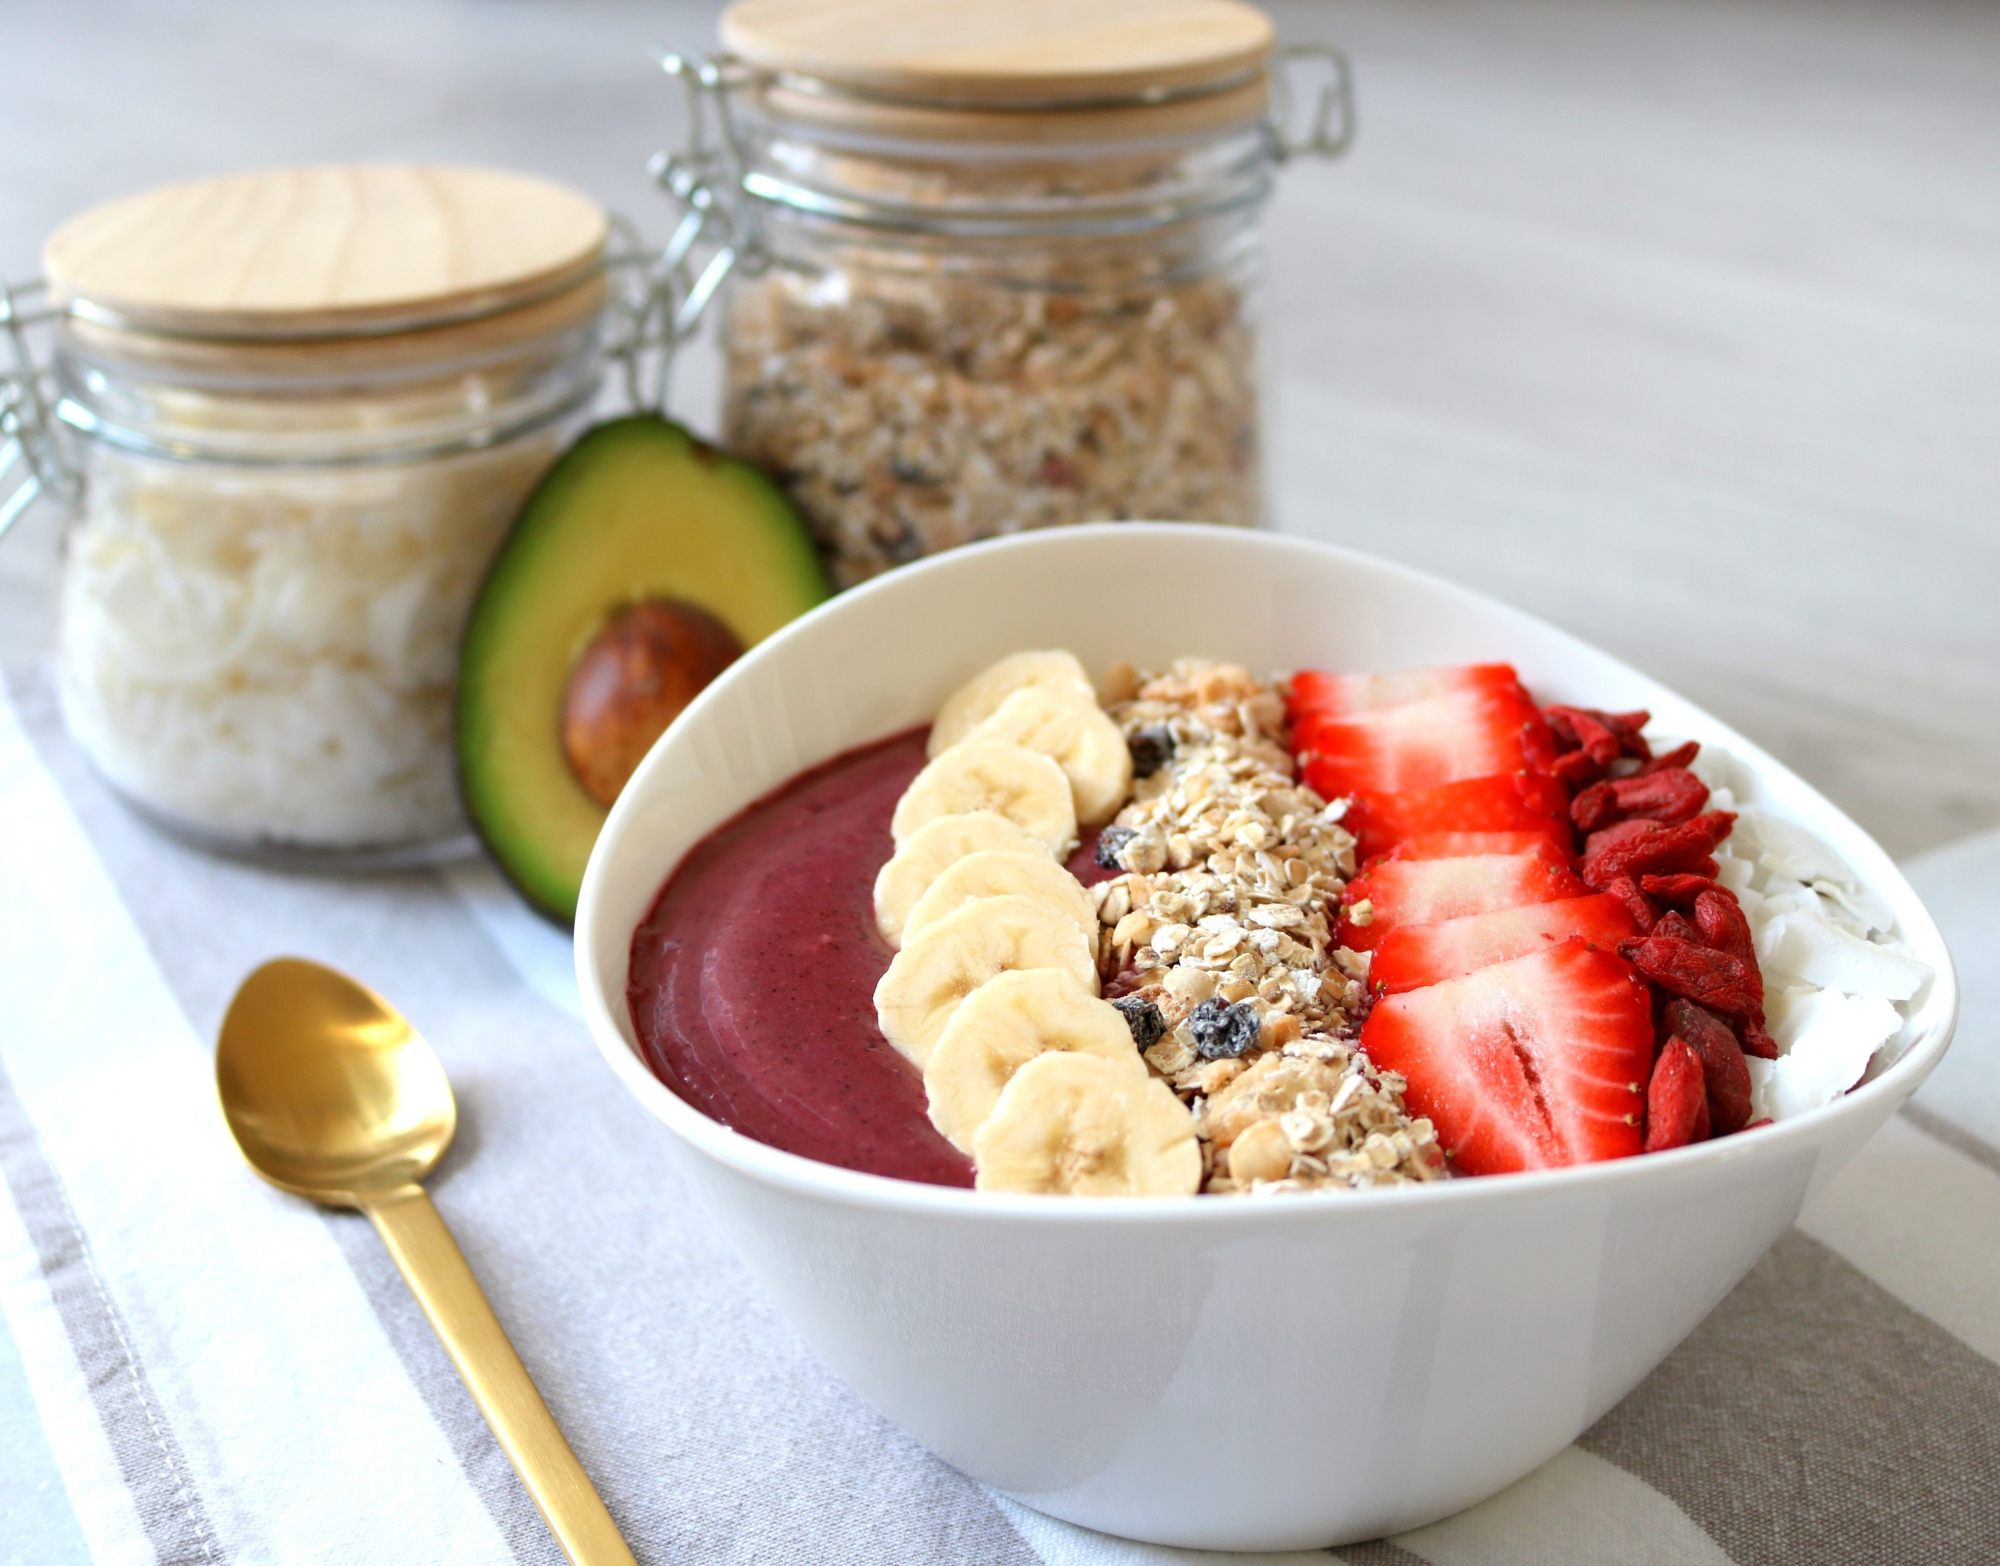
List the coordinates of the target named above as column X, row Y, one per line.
column 637, row 510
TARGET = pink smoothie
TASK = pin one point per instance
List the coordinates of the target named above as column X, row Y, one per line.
column 753, row 977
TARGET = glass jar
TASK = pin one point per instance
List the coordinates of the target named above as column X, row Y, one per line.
column 281, row 523
column 966, row 308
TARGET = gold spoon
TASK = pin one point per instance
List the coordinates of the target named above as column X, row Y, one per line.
column 332, row 1094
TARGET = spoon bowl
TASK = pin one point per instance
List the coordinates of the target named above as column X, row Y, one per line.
column 327, row 1088
column 331, row 1094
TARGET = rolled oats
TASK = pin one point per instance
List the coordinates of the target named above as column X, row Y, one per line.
column 1231, row 866
column 908, row 411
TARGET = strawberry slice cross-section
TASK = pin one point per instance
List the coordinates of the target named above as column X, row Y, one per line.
column 1534, row 1063
column 1386, row 753
column 1455, row 845
column 1423, row 745
column 1424, row 891
column 1509, row 802
column 1333, row 696
column 1414, row 955
column 1416, row 729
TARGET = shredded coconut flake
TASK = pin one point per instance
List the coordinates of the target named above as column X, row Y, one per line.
column 1833, row 965
column 267, row 654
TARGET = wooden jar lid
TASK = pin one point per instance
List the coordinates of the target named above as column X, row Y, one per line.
column 327, row 251
column 907, row 66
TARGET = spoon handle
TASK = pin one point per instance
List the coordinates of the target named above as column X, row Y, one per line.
column 436, row 1271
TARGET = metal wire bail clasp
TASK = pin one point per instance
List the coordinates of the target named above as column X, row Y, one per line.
column 32, row 460
column 1329, row 129
column 667, row 295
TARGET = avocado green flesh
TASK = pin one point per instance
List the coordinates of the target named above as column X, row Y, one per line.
column 635, row 509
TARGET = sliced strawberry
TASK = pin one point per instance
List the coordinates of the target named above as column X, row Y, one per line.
column 1337, row 696
column 1528, row 1064
column 1413, row 955
column 1455, row 845
column 1444, row 706
column 1509, row 802
column 1424, row 891
column 1420, row 745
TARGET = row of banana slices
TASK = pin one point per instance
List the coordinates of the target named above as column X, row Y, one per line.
column 993, row 989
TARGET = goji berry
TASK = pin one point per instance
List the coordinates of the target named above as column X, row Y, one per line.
column 1720, row 919
column 1630, row 728
column 1638, row 848
column 1756, row 1041
column 1596, row 806
column 1576, row 767
column 1581, row 728
column 1582, row 724
column 1671, row 923
column 1676, row 1099
column 1619, row 833
column 1679, row 889
column 1717, row 980
column 1722, row 1065
column 1636, row 902
column 1679, row 756
column 1668, row 797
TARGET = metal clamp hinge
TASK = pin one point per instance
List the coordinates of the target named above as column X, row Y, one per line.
column 33, row 461
column 661, row 298
column 1329, row 128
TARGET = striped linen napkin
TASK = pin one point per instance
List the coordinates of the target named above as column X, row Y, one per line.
column 198, row 1369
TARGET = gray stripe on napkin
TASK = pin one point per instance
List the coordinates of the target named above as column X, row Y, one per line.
column 156, row 1474
column 423, row 1360
column 185, row 954
column 1815, row 1420
column 1377, row 1552
column 1954, row 1136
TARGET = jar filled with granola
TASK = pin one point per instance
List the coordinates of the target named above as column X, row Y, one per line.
column 298, row 410
column 996, row 262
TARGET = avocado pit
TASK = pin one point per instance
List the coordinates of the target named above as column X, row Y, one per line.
column 648, row 662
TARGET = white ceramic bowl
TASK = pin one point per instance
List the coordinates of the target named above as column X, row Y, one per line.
column 1284, row 1373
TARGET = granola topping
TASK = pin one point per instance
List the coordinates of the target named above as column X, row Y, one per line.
column 905, row 413
column 1221, row 922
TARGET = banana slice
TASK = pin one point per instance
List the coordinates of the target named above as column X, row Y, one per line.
column 1081, row 1125
column 946, row 961
column 997, row 873
column 931, row 850
column 1023, row 785
column 1074, row 731
column 1004, row 1024
column 974, row 701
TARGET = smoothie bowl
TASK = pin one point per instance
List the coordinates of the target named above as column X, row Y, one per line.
column 1344, row 1335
